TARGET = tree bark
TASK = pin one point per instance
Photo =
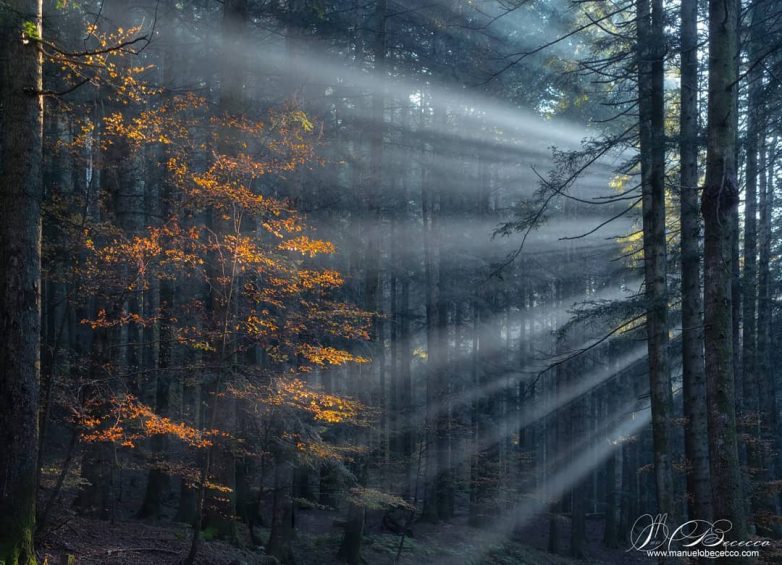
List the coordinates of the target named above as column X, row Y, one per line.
column 282, row 531
column 768, row 416
column 693, row 373
column 20, row 281
column 720, row 200
column 433, row 368
column 652, row 136
column 750, row 410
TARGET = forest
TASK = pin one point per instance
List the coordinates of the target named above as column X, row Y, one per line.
column 390, row 282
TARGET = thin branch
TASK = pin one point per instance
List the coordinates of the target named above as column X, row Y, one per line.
column 605, row 223
column 88, row 53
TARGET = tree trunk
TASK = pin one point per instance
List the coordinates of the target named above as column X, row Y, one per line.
column 433, row 368
column 20, row 281
column 693, row 374
column 157, row 479
column 613, row 472
column 652, row 136
column 720, row 199
column 578, row 425
column 444, row 481
column 768, row 419
column 281, row 536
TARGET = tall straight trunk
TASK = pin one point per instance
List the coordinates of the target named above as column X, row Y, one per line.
column 57, row 310
column 693, row 373
column 374, row 282
column 374, row 178
column 485, row 472
column 219, row 463
column 576, row 424
column 158, row 479
column 190, row 411
column 614, row 478
column 754, row 388
column 651, row 43
column 629, row 503
column 282, row 532
column 222, row 509
column 443, row 484
column 406, row 385
column 558, row 432
column 578, row 430
column 474, row 510
column 20, row 277
column 765, row 206
column 162, row 333
column 393, row 405
column 768, row 417
column 555, row 444
column 749, row 279
column 350, row 549
column 433, row 353
column 528, row 436
column 97, row 470
column 750, row 409
column 735, row 292
column 720, row 200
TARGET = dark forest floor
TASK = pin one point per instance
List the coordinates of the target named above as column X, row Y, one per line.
column 91, row 541
column 70, row 539
column 126, row 540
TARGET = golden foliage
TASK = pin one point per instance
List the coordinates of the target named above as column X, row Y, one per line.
column 125, row 420
column 225, row 229
column 328, row 408
column 105, row 65
column 307, row 246
column 323, row 355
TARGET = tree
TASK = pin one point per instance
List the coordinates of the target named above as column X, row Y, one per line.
column 755, row 134
column 651, row 42
column 719, row 203
column 693, row 375
column 20, row 282
column 204, row 191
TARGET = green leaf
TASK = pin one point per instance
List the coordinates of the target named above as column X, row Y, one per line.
column 30, row 30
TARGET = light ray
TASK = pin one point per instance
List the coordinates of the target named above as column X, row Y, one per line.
column 556, row 486
column 543, row 408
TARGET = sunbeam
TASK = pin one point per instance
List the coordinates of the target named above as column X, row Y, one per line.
column 544, row 407
column 298, row 282
column 557, row 485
